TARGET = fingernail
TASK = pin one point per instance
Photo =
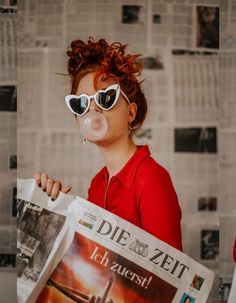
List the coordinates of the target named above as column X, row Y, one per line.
column 44, row 189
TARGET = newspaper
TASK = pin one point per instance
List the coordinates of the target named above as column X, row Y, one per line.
column 105, row 258
column 227, row 24
column 8, row 121
column 232, row 294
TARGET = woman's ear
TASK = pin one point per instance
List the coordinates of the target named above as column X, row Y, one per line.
column 132, row 110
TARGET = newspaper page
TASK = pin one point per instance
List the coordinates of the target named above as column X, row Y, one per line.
column 8, row 157
column 228, row 24
column 109, row 259
column 226, row 262
column 232, row 294
column 227, row 160
column 40, row 232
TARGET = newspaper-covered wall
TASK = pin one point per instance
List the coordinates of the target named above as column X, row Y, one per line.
column 185, row 129
column 227, row 136
column 8, row 160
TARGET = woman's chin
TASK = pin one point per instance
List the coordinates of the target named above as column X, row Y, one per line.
column 100, row 142
column 105, row 141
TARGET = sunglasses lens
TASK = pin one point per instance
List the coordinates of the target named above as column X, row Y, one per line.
column 79, row 105
column 107, row 99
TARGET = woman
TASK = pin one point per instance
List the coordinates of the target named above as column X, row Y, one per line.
column 131, row 185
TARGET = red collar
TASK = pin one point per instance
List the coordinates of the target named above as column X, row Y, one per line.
column 127, row 173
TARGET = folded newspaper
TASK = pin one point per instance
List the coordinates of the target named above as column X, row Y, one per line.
column 74, row 251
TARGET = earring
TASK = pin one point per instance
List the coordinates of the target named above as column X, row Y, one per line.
column 130, row 128
column 84, row 141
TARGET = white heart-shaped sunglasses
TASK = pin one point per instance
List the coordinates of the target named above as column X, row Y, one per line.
column 105, row 99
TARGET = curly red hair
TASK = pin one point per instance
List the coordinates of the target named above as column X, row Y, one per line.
column 108, row 60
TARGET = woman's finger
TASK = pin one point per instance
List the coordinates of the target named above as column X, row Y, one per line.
column 55, row 189
column 44, row 179
column 37, row 178
column 66, row 189
column 49, row 186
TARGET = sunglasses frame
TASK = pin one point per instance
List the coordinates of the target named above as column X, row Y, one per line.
column 116, row 87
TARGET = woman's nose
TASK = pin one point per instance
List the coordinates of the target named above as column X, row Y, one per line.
column 93, row 106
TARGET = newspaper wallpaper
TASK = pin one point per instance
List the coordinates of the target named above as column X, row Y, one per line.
column 8, row 160
column 191, row 124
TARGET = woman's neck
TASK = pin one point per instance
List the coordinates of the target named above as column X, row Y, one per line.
column 117, row 154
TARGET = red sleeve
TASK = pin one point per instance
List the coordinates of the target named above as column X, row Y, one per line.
column 234, row 252
column 158, row 205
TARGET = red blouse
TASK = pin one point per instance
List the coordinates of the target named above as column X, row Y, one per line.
column 143, row 194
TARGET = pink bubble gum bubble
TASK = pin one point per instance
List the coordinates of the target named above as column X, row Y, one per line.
column 93, row 126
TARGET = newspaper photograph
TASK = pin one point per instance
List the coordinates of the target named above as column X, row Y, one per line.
column 36, row 234
column 108, row 259
column 207, row 26
column 199, row 140
column 110, row 277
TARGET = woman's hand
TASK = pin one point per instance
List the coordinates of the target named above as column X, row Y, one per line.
column 50, row 186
